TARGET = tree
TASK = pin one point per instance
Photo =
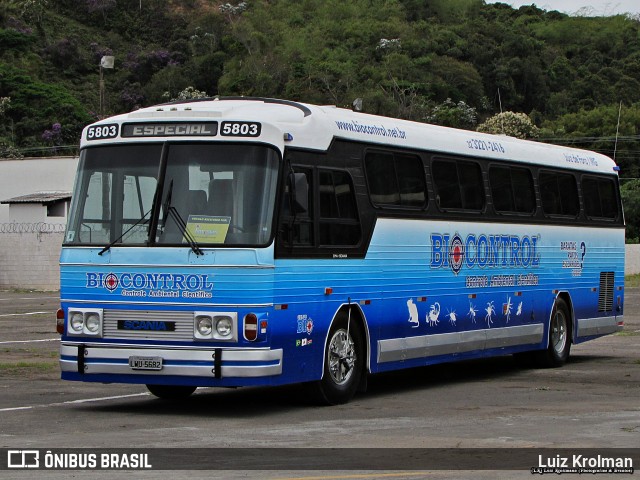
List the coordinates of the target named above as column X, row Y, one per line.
column 630, row 192
column 451, row 114
column 517, row 125
column 188, row 93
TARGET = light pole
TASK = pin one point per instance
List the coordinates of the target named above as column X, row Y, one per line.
column 105, row 62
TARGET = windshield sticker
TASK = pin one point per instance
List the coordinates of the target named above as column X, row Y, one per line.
column 207, row 229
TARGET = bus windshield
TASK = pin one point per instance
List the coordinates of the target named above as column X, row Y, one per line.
column 212, row 194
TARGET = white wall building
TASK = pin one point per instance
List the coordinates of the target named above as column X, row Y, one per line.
column 47, row 207
column 26, row 176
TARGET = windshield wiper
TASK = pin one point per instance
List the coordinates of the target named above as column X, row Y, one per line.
column 170, row 210
column 111, row 244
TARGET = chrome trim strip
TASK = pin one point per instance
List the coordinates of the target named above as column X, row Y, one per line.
column 398, row 349
column 113, row 359
column 598, row 326
column 511, row 336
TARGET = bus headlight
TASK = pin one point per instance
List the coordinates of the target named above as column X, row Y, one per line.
column 224, row 326
column 76, row 323
column 215, row 326
column 92, row 323
column 85, row 321
column 204, row 326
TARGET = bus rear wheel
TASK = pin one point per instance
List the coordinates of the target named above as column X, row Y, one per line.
column 343, row 363
column 171, row 392
column 557, row 353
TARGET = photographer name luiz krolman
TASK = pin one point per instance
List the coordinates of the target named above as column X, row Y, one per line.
column 583, row 464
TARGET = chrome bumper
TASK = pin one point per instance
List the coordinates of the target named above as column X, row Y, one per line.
column 94, row 358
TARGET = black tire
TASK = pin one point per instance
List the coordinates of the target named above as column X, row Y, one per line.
column 557, row 353
column 344, row 363
column 171, row 392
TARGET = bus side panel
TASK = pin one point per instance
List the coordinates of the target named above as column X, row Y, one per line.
column 461, row 290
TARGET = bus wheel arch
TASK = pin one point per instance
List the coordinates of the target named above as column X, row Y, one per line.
column 345, row 361
column 560, row 333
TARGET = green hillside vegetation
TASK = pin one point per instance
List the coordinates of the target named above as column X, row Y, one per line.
column 450, row 62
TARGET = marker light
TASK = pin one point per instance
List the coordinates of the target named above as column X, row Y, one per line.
column 251, row 327
column 60, row 321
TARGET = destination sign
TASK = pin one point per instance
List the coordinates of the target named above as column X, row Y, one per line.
column 170, row 129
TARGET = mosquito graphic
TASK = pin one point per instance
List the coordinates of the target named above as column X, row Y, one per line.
column 472, row 312
column 506, row 309
column 490, row 312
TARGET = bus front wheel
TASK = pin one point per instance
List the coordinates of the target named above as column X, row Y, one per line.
column 171, row 392
column 343, row 363
column 557, row 353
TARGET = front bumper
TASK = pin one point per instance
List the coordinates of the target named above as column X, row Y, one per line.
column 210, row 363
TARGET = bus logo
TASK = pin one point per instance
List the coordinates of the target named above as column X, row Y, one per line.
column 484, row 251
column 305, row 324
column 456, row 254
column 111, row 282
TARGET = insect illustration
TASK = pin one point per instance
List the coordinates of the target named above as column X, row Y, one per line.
column 452, row 317
column 472, row 312
column 506, row 308
column 434, row 313
column 490, row 312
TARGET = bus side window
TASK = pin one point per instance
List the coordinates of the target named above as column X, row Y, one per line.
column 512, row 190
column 458, row 185
column 339, row 223
column 296, row 218
column 559, row 194
column 395, row 180
column 599, row 197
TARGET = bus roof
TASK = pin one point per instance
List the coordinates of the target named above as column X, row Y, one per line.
column 315, row 127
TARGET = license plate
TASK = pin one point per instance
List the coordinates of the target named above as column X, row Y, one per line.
column 145, row 363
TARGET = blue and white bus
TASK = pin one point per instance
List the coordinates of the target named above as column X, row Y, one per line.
column 246, row 241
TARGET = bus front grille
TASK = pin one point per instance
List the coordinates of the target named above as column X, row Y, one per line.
column 152, row 325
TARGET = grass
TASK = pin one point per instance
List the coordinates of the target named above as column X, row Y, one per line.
column 26, row 368
column 631, row 281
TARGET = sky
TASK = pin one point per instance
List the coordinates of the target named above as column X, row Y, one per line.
column 595, row 8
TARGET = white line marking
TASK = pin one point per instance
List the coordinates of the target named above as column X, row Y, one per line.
column 25, row 313
column 32, row 341
column 75, row 402
column 30, row 298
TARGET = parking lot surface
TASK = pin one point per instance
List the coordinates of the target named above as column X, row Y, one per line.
column 592, row 402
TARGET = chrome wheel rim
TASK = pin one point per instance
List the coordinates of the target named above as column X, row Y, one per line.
column 559, row 332
column 341, row 357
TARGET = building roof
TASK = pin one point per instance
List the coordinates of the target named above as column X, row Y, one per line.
column 39, row 197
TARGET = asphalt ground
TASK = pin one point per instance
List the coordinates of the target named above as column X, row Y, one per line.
column 592, row 402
